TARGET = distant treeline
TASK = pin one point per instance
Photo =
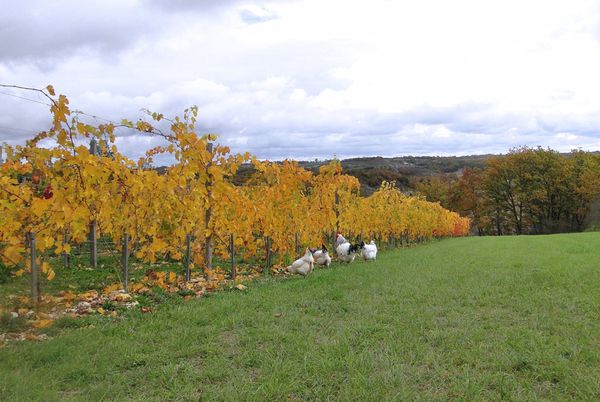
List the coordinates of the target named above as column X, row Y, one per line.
column 527, row 191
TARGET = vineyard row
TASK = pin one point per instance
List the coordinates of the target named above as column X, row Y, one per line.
column 59, row 194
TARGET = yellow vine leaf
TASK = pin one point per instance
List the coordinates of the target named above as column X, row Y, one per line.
column 38, row 206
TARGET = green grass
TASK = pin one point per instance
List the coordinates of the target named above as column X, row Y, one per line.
column 511, row 318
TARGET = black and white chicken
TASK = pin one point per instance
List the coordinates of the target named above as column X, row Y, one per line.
column 345, row 251
column 369, row 251
column 322, row 256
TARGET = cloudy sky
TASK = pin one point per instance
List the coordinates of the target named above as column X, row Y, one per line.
column 315, row 78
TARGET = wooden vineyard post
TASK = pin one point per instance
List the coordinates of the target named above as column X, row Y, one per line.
column 297, row 245
column 208, row 213
column 126, row 262
column 268, row 255
column 93, row 245
column 232, row 255
column 35, row 280
column 334, row 237
column 93, row 225
column 337, row 213
column 66, row 256
column 188, row 246
column 93, row 147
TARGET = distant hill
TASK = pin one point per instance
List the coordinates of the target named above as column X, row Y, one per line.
column 371, row 171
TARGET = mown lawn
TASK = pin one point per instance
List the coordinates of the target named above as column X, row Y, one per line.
column 512, row 318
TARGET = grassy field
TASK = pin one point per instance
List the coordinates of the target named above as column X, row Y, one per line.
column 512, row 318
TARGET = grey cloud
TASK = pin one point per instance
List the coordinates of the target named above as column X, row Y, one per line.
column 189, row 5
column 42, row 32
column 179, row 6
column 45, row 33
column 21, row 119
column 587, row 125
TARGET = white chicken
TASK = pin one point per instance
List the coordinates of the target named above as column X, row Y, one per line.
column 322, row 256
column 346, row 252
column 369, row 251
column 303, row 266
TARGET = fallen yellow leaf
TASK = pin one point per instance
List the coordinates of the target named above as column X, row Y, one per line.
column 68, row 296
column 136, row 287
column 42, row 323
column 111, row 288
column 123, row 297
column 91, row 294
